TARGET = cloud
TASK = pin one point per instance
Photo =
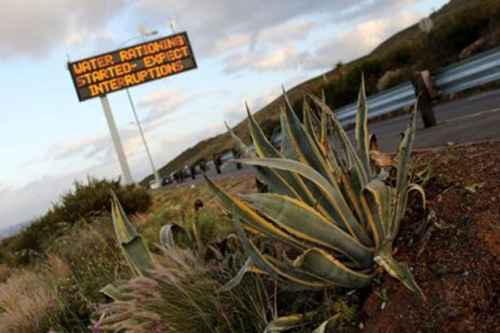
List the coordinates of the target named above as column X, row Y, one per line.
column 35, row 198
column 164, row 104
column 275, row 48
column 288, row 31
column 231, row 42
column 356, row 41
column 180, row 142
column 235, row 114
column 90, row 146
column 33, row 28
column 221, row 25
column 285, row 57
column 4, row 189
column 161, row 105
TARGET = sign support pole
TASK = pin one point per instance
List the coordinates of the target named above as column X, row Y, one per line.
column 127, row 175
column 155, row 173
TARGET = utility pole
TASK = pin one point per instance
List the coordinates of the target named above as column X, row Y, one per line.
column 155, row 173
column 143, row 33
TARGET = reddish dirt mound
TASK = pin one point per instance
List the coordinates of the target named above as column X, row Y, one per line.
column 459, row 268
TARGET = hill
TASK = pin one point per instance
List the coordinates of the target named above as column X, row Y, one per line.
column 12, row 230
column 461, row 29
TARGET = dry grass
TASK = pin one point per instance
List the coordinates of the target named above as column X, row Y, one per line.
column 28, row 295
column 4, row 273
column 61, row 292
column 182, row 295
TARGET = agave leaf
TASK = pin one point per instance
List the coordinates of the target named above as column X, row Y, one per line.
column 317, row 232
column 376, row 202
column 296, row 278
column 248, row 267
column 171, row 233
column 306, row 147
column 240, row 146
column 404, row 152
column 385, row 259
column 274, row 181
column 346, row 219
column 285, row 323
column 304, row 189
column 134, row 249
column 327, row 323
column 361, row 129
column 287, row 148
column 351, row 188
column 379, row 159
column 373, row 143
column 317, row 130
column 346, row 142
column 295, row 187
column 262, row 146
column 324, row 130
column 419, row 189
column 250, row 217
column 308, row 121
column 319, row 263
column 113, row 292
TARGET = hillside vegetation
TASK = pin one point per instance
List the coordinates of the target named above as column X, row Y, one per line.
column 461, row 29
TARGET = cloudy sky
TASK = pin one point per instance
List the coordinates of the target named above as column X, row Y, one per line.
column 245, row 51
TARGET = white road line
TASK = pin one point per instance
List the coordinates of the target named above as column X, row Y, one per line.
column 482, row 95
column 472, row 115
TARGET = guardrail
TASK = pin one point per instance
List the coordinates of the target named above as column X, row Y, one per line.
column 382, row 103
column 470, row 73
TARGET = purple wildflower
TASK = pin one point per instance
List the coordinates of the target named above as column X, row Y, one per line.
column 158, row 328
column 97, row 328
column 51, row 305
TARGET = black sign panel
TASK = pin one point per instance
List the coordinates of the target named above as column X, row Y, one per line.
column 132, row 66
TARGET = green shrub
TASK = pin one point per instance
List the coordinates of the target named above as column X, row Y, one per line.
column 470, row 22
column 93, row 197
column 82, row 203
column 61, row 292
column 393, row 78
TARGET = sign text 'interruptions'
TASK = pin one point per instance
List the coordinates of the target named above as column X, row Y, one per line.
column 131, row 66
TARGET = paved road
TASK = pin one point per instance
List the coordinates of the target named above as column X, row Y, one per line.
column 471, row 119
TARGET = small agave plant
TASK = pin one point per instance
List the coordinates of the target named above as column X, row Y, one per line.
column 139, row 259
column 171, row 236
column 339, row 208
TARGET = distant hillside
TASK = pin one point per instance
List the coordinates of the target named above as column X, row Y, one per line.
column 12, row 230
column 461, row 28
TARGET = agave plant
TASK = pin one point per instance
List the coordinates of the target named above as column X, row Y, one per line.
column 340, row 208
column 171, row 236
